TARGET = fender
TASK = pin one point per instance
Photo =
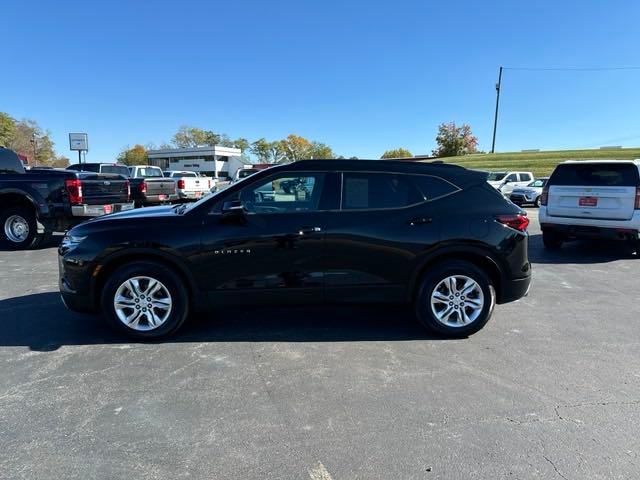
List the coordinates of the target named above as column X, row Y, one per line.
column 41, row 208
column 451, row 249
column 161, row 253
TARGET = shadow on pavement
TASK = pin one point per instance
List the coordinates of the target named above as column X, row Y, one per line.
column 41, row 322
column 580, row 252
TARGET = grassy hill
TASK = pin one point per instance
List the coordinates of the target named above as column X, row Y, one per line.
column 540, row 163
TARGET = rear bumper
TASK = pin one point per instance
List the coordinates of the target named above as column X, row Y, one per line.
column 591, row 228
column 188, row 195
column 98, row 210
column 582, row 231
column 158, row 199
column 514, row 289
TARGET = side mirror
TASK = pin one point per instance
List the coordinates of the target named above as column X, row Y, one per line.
column 506, row 181
column 233, row 207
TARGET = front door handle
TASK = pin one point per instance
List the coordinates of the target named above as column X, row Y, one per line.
column 309, row 230
column 420, row 221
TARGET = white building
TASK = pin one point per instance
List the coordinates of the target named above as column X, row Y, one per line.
column 217, row 162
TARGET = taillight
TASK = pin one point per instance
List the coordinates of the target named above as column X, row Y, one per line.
column 517, row 222
column 142, row 187
column 544, row 196
column 637, row 198
column 181, row 184
column 74, row 189
column 128, row 186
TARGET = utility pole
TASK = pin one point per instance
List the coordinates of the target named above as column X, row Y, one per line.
column 495, row 118
column 35, row 145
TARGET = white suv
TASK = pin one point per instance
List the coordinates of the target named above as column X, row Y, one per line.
column 591, row 199
column 505, row 182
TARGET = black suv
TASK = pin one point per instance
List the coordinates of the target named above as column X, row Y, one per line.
column 436, row 236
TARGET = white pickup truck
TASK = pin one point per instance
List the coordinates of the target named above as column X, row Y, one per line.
column 190, row 185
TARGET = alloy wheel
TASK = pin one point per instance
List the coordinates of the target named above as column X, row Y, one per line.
column 142, row 303
column 457, row 301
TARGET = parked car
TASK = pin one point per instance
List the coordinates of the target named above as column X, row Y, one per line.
column 592, row 199
column 529, row 195
column 505, row 182
column 37, row 202
column 149, row 187
column 190, row 185
column 436, row 237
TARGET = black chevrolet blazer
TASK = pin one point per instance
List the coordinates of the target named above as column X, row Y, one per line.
column 317, row 231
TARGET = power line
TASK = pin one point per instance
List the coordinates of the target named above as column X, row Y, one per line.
column 572, row 69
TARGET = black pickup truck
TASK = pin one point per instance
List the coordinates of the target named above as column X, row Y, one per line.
column 35, row 203
column 148, row 184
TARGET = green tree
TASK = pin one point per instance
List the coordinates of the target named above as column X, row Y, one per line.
column 7, row 128
column 266, row 152
column 137, row 155
column 60, row 162
column 295, row 148
column 26, row 135
column 397, row 153
column 320, row 151
column 190, row 137
column 453, row 140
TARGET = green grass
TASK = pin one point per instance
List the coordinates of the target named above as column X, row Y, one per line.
column 540, row 163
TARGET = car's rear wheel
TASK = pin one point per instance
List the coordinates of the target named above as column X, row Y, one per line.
column 551, row 240
column 145, row 300
column 19, row 229
column 455, row 299
column 537, row 202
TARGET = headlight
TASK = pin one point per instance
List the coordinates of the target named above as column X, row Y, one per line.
column 71, row 241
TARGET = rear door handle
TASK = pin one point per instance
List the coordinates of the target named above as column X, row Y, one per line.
column 309, row 230
column 420, row 221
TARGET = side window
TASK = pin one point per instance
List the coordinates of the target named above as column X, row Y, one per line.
column 73, row 167
column 287, row 192
column 433, row 187
column 525, row 177
column 512, row 178
column 378, row 190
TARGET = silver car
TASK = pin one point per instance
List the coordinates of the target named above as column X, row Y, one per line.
column 529, row 195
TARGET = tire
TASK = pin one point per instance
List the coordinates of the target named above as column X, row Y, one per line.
column 536, row 203
column 551, row 240
column 19, row 229
column 146, row 326
column 430, row 311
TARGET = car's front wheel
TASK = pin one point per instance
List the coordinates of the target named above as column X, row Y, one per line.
column 145, row 300
column 455, row 299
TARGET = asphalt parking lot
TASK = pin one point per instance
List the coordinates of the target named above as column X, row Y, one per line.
column 549, row 389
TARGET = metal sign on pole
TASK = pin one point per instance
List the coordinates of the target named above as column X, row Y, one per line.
column 79, row 142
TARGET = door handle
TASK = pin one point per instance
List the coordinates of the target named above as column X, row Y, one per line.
column 420, row 221
column 309, row 230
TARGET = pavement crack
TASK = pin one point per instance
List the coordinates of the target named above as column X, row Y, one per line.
column 554, row 467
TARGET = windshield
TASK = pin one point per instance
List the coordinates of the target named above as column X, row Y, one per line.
column 120, row 170
column 541, row 182
column 147, row 172
column 496, row 176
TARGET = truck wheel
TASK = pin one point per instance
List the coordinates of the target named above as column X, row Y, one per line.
column 455, row 299
column 551, row 240
column 145, row 300
column 19, row 230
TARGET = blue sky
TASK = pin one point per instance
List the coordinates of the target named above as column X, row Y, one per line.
column 362, row 76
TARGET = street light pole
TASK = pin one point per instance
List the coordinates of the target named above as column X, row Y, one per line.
column 495, row 118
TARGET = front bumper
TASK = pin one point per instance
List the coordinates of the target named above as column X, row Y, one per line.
column 99, row 210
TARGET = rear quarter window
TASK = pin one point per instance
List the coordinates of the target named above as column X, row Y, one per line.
column 433, row 187
column 596, row 175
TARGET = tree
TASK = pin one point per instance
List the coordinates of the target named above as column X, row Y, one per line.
column 320, row 151
column 190, row 137
column 7, row 128
column 25, row 133
column 134, row 156
column 241, row 143
column 266, row 152
column 453, row 141
column 60, row 162
column 295, row 148
column 397, row 153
